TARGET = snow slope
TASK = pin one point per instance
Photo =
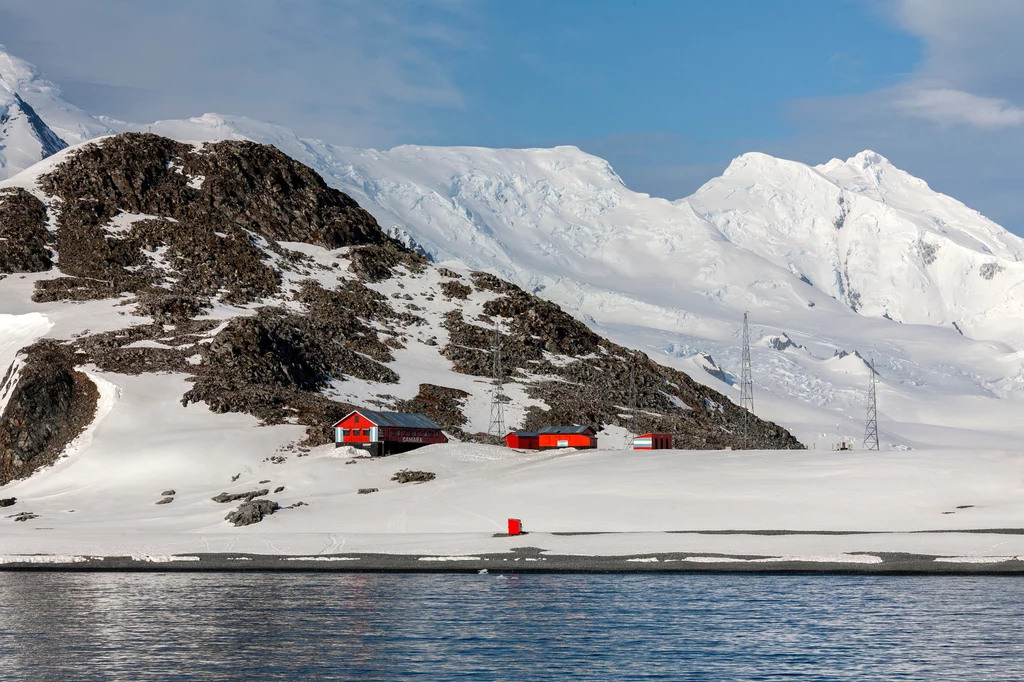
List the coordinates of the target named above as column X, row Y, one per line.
column 35, row 119
column 875, row 238
column 104, row 504
column 24, row 138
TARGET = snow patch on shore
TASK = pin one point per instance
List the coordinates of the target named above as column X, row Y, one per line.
column 825, row 559
column 977, row 559
column 42, row 559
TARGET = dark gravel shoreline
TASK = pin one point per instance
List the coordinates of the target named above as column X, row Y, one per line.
column 524, row 560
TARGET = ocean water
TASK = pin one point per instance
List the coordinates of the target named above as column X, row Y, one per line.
column 320, row 626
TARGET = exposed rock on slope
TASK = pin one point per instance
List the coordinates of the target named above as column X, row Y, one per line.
column 49, row 406
column 176, row 230
column 585, row 379
column 442, row 404
column 138, row 210
column 273, row 365
column 24, row 240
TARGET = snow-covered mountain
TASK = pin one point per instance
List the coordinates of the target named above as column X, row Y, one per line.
column 24, row 138
column 848, row 260
column 875, row 238
column 35, row 120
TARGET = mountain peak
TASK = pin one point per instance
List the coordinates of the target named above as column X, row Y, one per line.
column 868, row 158
column 24, row 136
column 758, row 165
column 37, row 120
column 869, row 171
column 16, row 73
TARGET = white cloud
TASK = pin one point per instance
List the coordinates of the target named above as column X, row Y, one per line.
column 951, row 107
column 957, row 120
column 970, row 74
column 970, row 45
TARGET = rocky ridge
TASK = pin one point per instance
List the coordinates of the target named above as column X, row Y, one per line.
column 174, row 231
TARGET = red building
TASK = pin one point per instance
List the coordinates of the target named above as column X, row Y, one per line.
column 653, row 441
column 523, row 440
column 386, row 433
column 554, row 437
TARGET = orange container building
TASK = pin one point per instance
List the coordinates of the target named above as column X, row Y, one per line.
column 523, row 440
column 555, row 437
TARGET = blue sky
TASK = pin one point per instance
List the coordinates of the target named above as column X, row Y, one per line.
column 708, row 70
column 668, row 91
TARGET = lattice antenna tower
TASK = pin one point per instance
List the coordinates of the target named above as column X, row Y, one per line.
column 871, row 429
column 496, row 427
column 632, row 431
column 746, row 381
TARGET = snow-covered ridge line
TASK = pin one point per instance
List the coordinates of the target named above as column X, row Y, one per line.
column 845, row 253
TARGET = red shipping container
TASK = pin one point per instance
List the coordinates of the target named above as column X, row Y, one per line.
column 515, row 527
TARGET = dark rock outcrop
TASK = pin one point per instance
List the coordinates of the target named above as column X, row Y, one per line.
column 24, row 239
column 442, row 404
column 406, row 476
column 783, row 342
column 220, row 209
column 117, row 351
column 50, row 405
column 456, row 290
column 232, row 497
column 273, row 364
column 8, row 502
column 252, row 512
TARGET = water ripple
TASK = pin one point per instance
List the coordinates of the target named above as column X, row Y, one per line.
column 318, row 626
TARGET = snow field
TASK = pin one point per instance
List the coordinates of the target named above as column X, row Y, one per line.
column 629, row 502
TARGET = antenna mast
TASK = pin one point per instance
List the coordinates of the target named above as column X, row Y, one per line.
column 746, row 381
column 632, row 404
column 871, row 430
column 496, row 427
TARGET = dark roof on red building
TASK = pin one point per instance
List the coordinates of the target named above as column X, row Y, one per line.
column 576, row 428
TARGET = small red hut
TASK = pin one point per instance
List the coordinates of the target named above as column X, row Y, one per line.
column 554, row 437
column 653, row 441
column 386, row 433
column 523, row 440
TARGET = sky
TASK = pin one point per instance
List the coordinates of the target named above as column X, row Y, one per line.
column 669, row 92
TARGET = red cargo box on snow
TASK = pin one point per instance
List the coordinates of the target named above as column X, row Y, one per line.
column 515, row 527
